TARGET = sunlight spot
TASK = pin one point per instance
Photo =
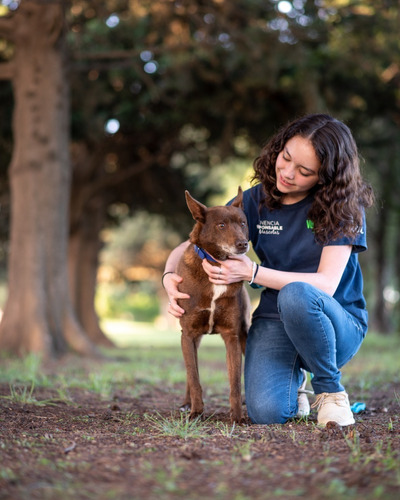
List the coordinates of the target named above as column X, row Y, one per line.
column 146, row 55
column 11, row 4
column 278, row 24
column 112, row 21
column 391, row 295
column 150, row 67
column 284, row 7
column 112, row 126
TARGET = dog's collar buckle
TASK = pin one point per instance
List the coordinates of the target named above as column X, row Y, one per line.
column 203, row 254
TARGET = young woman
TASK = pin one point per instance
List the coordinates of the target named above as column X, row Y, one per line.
column 306, row 223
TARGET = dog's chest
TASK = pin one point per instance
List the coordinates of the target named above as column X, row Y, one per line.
column 217, row 292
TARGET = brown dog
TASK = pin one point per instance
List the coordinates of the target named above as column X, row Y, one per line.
column 219, row 232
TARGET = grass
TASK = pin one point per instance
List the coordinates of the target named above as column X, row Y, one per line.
column 153, row 356
column 149, row 357
column 181, row 426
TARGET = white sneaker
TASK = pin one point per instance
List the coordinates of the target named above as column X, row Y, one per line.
column 334, row 407
column 302, row 399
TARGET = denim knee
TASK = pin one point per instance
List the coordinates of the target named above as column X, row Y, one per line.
column 294, row 297
column 266, row 410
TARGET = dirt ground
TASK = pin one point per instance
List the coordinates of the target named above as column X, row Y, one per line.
column 91, row 447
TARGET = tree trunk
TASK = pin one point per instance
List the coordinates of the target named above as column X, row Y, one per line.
column 38, row 315
column 83, row 256
column 88, row 207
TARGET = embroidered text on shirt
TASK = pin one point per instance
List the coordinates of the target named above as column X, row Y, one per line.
column 269, row 227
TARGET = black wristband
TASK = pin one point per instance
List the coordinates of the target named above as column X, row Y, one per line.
column 255, row 274
column 163, row 276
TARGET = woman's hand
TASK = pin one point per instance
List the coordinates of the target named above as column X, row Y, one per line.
column 171, row 282
column 234, row 269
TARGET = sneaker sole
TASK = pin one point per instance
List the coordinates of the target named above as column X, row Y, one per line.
column 343, row 424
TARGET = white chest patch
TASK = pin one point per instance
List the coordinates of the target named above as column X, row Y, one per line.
column 218, row 290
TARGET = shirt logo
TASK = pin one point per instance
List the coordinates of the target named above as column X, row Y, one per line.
column 269, row 227
column 310, row 224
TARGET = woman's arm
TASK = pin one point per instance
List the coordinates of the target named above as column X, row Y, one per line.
column 171, row 280
column 327, row 277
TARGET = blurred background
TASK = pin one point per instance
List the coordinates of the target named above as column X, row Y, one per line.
column 171, row 95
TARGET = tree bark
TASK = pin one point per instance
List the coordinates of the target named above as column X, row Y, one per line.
column 38, row 316
column 88, row 207
column 84, row 247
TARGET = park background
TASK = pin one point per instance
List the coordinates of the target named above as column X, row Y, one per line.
column 109, row 110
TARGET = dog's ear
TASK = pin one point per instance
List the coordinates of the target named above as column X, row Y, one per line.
column 238, row 201
column 197, row 209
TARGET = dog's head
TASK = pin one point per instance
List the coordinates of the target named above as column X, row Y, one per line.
column 221, row 231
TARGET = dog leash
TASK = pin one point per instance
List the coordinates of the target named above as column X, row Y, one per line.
column 203, row 254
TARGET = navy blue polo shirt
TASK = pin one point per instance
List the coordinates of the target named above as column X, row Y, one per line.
column 283, row 239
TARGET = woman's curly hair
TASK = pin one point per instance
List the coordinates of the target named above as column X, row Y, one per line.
column 341, row 194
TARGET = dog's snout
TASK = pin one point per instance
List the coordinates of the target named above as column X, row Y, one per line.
column 241, row 245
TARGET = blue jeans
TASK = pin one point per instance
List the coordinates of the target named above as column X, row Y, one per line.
column 315, row 333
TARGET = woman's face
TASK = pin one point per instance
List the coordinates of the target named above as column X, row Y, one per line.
column 296, row 169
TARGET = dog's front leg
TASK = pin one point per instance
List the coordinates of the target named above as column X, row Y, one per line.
column 234, row 364
column 193, row 387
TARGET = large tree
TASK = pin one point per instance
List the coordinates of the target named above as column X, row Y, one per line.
column 191, row 83
column 38, row 315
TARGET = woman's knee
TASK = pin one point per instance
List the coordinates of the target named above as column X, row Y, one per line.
column 294, row 292
column 266, row 411
column 295, row 297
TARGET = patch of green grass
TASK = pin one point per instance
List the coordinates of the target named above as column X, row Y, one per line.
column 227, row 430
column 243, row 450
column 8, row 475
column 377, row 358
column 282, row 493
column 24, row 395
column 151, row 356
column 182, row 426
column 374, row 366
column 165, row 480
column 338, row 489
column 25, row 370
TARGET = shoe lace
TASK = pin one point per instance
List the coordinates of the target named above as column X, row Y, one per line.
column 338, row 398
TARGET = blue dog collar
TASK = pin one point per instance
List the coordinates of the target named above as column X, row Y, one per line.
column 203, row 254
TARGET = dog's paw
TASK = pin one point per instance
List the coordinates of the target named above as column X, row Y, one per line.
column 236, row 417
column 196, row 414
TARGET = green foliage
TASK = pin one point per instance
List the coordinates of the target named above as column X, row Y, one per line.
column 124, row 301
column 227, row 75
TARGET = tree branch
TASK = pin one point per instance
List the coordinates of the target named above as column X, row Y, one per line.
column 101, row 184
column 107, row 55
column 129, row 54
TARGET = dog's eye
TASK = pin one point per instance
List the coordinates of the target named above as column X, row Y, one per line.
column 221, row 225
column 244, row 223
